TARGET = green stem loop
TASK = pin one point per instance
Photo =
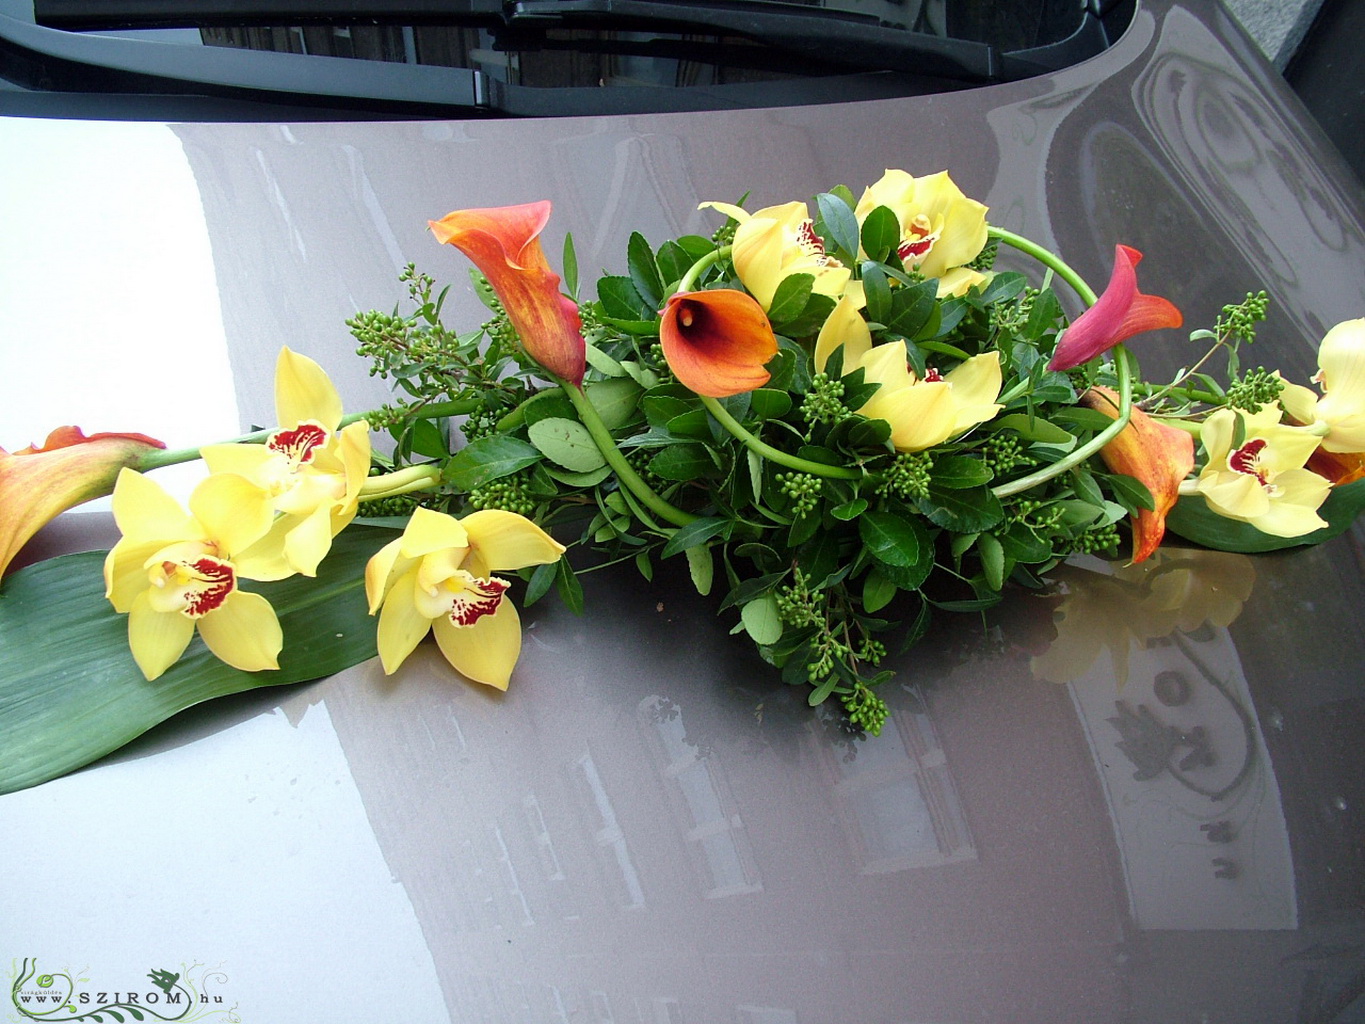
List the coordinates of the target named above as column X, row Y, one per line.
column 772, row 454
column 695, row 270
column 625, row 472
column 1049, row 259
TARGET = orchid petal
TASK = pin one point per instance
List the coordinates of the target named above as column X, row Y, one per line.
column 144, row 511
column 401, row 625
column 846, row 328
column 506, row 541
column 381, row 570
column 244, row 632
column 1121, row 312
column 717, row 342
column 308, row 540
column 303, row 391
column 486, row 651
column 504, row 243
column 156, row 639
column 234, row 511
column 429, row 530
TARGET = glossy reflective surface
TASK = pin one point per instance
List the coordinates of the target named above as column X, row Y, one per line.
column 1135, row 799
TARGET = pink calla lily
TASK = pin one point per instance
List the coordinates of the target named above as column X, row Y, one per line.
column 504, row 243
column 1121, row 312
column 36, row 484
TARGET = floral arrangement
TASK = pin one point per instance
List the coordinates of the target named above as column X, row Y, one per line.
column 840, row 415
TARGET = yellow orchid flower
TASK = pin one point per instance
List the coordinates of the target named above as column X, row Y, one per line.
column 173, row 573
column 1341, row 375
column 777, row 242
column 941, row 229
column 922, row 413
column 1262, row 481
column 437, row 577
column 308, row 470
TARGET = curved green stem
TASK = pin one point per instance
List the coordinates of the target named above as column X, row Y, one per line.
column 772, row 454
column 1047, row 258
column 625, row 472
column 1091, row 447
column 694, row 271
column 175, row 456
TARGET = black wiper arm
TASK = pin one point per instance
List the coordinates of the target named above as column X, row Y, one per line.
column 832, row 36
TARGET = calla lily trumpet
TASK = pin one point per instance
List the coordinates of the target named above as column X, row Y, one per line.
column 37, row 484
column 175, row 573
column 504, row 243
column 438, row 577
column 717, row 342
column 1121, row 312
column 922, row 412
column 309, row 471
column 1150, row 451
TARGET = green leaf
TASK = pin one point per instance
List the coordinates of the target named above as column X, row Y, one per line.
column 970, row 510
column 957, row 472
column 487, row 459
column 749, row 589
column 570, row 266
column 621, row 300
column 603, row 363
column 911, row 309
column 992, row 560
column 699, row 531
column 1132, row 493
column 567, row 443
column 570, row 589
column 877, row 591
column 542, row 579
column 769, row 403
column 682, row 462
column 589, row 479
column 645, row 566
column 762, row 621
column 614, row 400
column 850, row 509
column 1038, row 429
column 894, row 540
column 644, row 272
column 840, row 222
column 428, row 440
column 1194, row 520
column 877, row 291
column 881, row 233
column 702, row 566
column 69, row 689
column 545, row 405
column 789, row 301
column 673, row 261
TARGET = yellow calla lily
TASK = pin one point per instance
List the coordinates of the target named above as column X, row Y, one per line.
column 922, row 413
column 308, row 471
column 777, row 242
column 437, row 577
column 1262, row 481
column 173, row 572
column 941, row 229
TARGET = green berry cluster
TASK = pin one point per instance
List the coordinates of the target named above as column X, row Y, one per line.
column 508, row 493
column 872, row 651
column 985, row 259
column 383, row 337
column 1239, row 321
column 1256, row 388
column 1043, row 516
column 500, row 329
column 1012, row 316
column 824, row 402
column 826, row 649
column 398, row 505
column 804, row 491
column 480, row 423
column 1004, row 452
column 796, row 605
column 725, row 234
column 865, row 710
column 1099, row 540
column 908, row 476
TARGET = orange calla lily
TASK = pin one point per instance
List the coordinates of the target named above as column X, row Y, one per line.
column 36, row 484
column 1150, row 451
column 504, row 243
column 717, row 342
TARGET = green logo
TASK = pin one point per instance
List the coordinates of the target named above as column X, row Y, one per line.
column 192, row 993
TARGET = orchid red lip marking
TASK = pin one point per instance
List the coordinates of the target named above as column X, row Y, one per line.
column 300, row 443
column 476, row 598
column 1246, row 459
column 206, row 583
